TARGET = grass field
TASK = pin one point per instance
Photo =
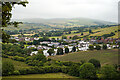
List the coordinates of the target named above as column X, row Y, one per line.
column 49, row 75
column 105, row 31
column 105, row 56
column 17, row 64
column 101, row 32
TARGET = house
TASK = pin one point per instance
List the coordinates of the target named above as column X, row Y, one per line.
column 70, row 48
column 45, row 53
column 34, row 52
column 36, row 38
column 45, row 42
column 31, row 46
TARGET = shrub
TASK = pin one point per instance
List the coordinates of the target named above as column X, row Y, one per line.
column 91, row 47
column 60, row 51
column 87, row 71
column 74, row 70
column 95, row 62
column 16, row 73
column 66, row 50
column 108, row 71
column 7, row 68
column 17, row 58
column 98, row 47
column 104, row 46
column 4, row 56
column 74, row 49
column 68, row 63
column 65, row 69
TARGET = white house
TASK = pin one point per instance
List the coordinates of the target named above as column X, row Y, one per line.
column 45, row 53
column 45, row 42
column 34, row 52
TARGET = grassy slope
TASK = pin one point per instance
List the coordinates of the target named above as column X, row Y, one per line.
column 17, row 64
column 105, row 56
column 102, row 32
column 49, row 75
column 105, row 31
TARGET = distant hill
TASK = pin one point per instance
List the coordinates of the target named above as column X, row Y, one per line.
column 66, row 22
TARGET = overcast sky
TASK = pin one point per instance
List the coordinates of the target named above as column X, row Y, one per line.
column 106, row 10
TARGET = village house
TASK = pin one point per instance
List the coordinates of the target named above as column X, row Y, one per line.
column 34, row 52
column 45, row 42
column 31, row 46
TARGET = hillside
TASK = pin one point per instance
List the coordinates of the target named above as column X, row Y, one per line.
column 66, row 22
column 17, row 64
column 105, row 56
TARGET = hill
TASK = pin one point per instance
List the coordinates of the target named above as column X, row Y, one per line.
column 66, row 22
column 105, row 56
column 17, row 64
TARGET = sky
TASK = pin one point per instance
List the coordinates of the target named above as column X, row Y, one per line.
column 106, row 10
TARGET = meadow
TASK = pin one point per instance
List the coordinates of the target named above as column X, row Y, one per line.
column 105, row 56
column 17, row 64
column 48, row 75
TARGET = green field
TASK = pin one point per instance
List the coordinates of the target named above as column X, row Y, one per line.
column 17, row 64
column 48, row 75
column 105, row 56
column 101, row 32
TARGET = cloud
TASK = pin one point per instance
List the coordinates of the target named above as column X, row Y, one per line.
column 97, row 9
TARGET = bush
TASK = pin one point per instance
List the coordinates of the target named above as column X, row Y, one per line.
column 91, row 47
column 95, row 62
column 4, row 56
column 108, row 71
column 23, row 71
column 74, row 70
column 74, row 49
column 87, row 71
column 65, row 69
column 98, row 47
column 104, row 46
column 60, row 51
column 67, row 63
column 7, row 68
column 66, row 50
column 17, row 58
column 16, row 73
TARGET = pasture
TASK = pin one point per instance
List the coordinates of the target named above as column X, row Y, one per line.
column 17, row 64
column 48, row 75
column 105, row 56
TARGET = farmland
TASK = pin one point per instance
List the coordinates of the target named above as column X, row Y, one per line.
column 105, row 56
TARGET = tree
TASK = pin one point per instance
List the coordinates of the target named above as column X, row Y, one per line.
column 104, row 46
column 40, row 51
column 87, row 71
column 6, row 12
column 95, row 62
column 74, row 49
column 6, row 16
column 74, row 70
column 75, row 37
column 108, row 71
column 91, row 47
column 98, row 47
column 39, row 57
column 90, row 31
column 7, row 68
column 36, row 42
column 66, row 50
column 82, row 33
column 51, row 51
column 5, row 37
column 60, row 51
column 64, row 37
